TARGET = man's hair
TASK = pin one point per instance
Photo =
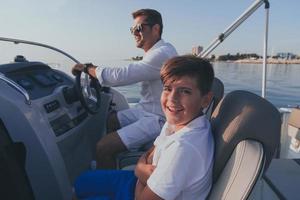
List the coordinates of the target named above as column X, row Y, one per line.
column 152, row 17
column 190, row 66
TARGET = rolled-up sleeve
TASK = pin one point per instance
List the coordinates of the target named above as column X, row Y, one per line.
column 132, row 73
column 145, row 70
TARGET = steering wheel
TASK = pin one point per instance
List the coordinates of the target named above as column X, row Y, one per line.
column 89, row 92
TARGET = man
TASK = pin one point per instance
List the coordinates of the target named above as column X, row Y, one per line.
column 131, row 128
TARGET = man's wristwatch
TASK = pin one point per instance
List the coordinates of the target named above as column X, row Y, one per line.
column 87, row 66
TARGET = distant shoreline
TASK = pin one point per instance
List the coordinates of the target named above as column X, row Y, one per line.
column 269, row 61
column 248, row 61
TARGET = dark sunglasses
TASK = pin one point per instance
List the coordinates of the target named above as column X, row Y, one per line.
column 138, row 27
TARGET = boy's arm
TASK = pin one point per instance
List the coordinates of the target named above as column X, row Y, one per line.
column 144, row 167
column 143, row 171
column 144, row 192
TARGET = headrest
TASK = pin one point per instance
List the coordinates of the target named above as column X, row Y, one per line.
column 217, row 89
column 242, row 115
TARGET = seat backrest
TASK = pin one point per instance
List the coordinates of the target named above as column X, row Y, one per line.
column 218, row 93
column 246, row 129
column 294, row 129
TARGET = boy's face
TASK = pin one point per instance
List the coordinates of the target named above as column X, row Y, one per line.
column 182, row 101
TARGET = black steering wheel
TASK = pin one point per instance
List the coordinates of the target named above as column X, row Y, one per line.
column 89, row 92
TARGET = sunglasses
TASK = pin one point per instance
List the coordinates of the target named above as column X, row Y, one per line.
column 138, row 27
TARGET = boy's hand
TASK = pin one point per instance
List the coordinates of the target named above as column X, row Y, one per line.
column 143, row 170
column 149, row 157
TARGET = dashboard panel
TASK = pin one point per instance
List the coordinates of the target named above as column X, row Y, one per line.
column 40, row 81
column 36, row 78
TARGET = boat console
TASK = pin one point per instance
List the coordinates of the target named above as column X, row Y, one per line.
column 40, row 109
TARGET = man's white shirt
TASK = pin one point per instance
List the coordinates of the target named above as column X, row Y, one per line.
column 146, row 71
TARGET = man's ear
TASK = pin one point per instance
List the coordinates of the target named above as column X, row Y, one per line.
column 206, row 99
column 156, row 29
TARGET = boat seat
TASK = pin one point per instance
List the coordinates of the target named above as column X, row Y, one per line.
column 125, row 160
column 218, row 93
column 294, row 129
column 246, row 130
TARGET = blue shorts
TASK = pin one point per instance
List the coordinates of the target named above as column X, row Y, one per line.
column 106, row 185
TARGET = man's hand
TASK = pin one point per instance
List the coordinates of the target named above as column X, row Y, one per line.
column 88, row 68
column 77, row 68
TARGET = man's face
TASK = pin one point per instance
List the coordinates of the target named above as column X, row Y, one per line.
column 144, row 34
column 182, row 101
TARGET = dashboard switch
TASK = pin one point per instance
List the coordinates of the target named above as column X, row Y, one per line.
column 51, row 106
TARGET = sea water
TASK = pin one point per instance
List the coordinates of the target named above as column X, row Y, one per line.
column 282, row 86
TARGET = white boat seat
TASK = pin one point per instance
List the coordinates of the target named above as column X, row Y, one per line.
column 126, row 159
column 294, row 119
column 294, row 129
column 246, row 129
column 240, row 172
column 218, row 93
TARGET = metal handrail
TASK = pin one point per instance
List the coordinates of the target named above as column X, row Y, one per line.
column 236, row 24
column 17, row 41
column 231, row 28
column 22, row 90
column 264, row 74
column 17, row 87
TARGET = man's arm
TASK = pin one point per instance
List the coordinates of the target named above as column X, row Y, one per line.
column 118, row 76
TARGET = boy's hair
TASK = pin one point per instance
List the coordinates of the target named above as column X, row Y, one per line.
column 191, row 66
column 152, row 17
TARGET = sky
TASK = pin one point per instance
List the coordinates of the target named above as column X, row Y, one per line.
column 89, row 29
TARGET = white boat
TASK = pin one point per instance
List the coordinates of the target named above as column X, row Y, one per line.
column 48, row 131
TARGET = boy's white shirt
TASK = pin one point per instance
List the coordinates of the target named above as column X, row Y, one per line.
column 183, row 161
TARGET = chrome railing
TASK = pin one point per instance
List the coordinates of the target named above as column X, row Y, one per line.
column 236, row 24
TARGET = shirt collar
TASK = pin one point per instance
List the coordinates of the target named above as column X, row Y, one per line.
column 157, row 44
column 195, row 123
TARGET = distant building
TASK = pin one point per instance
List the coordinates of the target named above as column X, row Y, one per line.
column 286, row 55
column 197, row 50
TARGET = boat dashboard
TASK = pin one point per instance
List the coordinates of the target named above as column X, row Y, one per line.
column 36, row 78
column 38, row 107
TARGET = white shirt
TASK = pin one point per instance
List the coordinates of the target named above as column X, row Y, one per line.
column 183, row 161
column 146, row 71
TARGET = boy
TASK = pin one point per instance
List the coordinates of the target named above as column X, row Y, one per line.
column 179, row 166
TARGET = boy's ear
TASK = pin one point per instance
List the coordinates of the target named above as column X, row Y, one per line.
column 206, row 99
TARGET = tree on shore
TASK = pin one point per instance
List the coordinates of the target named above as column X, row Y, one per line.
column 238, row 56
